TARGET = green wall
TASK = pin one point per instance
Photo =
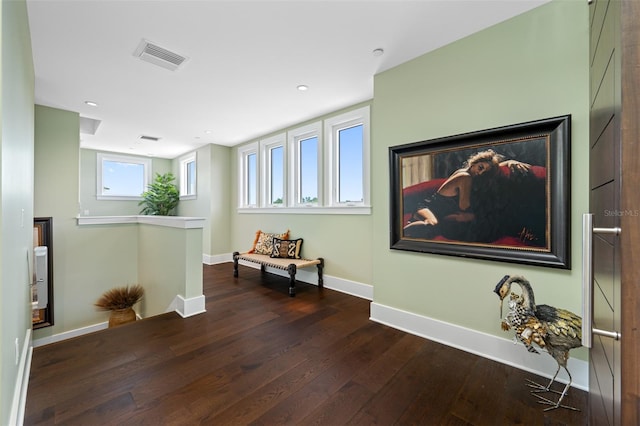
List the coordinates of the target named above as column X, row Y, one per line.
column 81, row 256
column 344, row 240
column 16, row 199
column 212, row 197
column 90, row 259
column 531, row 67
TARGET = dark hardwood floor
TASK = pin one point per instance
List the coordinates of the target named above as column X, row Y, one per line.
column 258, row 356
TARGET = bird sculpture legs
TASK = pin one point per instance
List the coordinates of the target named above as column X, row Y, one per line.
column 540, row 388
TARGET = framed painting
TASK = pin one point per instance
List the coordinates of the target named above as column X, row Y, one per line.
column 500, row 194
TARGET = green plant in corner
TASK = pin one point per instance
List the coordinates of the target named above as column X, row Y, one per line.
column 161, row 197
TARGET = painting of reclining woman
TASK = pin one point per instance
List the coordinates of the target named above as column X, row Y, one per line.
column 488, row 195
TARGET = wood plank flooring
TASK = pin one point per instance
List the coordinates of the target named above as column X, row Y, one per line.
column 259, row 357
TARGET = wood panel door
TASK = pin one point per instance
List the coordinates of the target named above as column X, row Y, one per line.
column 615, row 203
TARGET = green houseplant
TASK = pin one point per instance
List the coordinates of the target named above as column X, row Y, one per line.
column 161, row 197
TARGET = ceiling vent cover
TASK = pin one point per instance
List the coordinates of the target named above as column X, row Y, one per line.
column 149, row 138
column 157, row 55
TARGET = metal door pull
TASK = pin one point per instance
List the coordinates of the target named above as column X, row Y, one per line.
column 587, row 280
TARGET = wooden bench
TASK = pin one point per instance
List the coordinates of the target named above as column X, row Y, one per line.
column 289, row 265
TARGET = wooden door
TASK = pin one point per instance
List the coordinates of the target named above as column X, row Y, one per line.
column 614, row 202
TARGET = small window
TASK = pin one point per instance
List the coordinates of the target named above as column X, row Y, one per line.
column 348, row 150
column 304, row 144
column 308, row 171
column 273, row 182
column 248, row 176
column 276, row 189
column 121, row 177
column 188, row 178
column 252, row 173
column 350, row 180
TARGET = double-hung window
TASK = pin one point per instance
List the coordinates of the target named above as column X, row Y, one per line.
column 122, row 177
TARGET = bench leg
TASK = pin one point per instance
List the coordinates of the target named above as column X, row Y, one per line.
column 320, row 268
column 235, row 263
column 292, row 279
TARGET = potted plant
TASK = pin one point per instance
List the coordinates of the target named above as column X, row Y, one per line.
column 120, row 302
column 161, row 197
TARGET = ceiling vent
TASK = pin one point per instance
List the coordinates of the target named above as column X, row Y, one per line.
column 157, row 55
column 149, row 138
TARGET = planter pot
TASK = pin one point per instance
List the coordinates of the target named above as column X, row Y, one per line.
column 121, row 316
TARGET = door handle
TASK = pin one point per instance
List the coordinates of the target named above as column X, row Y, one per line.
column 587, row 281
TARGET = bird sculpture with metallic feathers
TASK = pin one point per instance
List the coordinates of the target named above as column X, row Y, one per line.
column 556, row 330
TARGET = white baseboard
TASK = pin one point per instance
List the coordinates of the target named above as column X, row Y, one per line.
column 310, row 276
column 70, row 334
column 16, row 416
column 190, row 307
column 214, row 259
column 482, row 344
column 183, row 307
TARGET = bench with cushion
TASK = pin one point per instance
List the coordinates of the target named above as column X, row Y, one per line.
column 277, row 251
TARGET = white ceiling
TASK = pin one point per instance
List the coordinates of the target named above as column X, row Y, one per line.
column 245, row 60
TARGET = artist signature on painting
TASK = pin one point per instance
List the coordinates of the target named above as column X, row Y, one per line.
column 526, row 235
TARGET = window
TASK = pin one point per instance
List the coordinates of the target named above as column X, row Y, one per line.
column 248, row 176
column 121, row 177
column 348, row 150
column 273, row 155
column 188, row 177
column 322, row 167
column 304, row 144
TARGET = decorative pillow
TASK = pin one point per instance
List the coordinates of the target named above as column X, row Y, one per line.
column 264, row 242
column 287, row 249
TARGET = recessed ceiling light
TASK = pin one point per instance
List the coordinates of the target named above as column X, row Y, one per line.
column 378, row 52
column 208, row 132
column 91, row 103
column 303, row 87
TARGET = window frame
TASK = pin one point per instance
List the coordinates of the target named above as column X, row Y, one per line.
column 332, row 127
column 146, row 162
column 328, row 167
column 184, row 170
column 267, row 145
column 244, row 153
column 294, row 137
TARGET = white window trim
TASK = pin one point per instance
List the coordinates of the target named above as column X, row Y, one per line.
column 328, row 170
column 243, row 153
column 294, row 137
column 331, row 128
column 266, row 145
column 184, row 160
column 145, row 161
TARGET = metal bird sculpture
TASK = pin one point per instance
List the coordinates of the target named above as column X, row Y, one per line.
column 556, row 330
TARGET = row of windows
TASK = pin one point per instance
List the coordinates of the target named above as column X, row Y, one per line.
column 122, row 177
column 310, row 166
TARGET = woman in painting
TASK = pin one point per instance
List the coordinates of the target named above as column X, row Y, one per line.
column 452, row 200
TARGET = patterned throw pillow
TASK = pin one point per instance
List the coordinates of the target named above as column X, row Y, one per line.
column 264, row 242
column 287, row 249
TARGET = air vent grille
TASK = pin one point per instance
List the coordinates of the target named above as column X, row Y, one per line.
column 149, row 138
column 157, row 55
